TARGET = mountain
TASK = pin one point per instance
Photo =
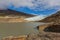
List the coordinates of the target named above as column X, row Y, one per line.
column 13, row 16
column 54, row 18
column 13, row 13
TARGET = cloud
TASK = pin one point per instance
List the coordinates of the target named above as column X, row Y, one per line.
column 4, row 4
column 38, row 5
column 41, row 5
column 23, row 3
column 54, row 2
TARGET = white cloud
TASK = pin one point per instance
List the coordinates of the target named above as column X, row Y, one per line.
column 41, row 5
column 23, row 3
column 54, row 2
column 4, row 4
column 32, row 4
column 17, row 3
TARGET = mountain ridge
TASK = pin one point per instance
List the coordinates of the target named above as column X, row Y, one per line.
column 54, row 18
column 13, row 16
column 13, row 12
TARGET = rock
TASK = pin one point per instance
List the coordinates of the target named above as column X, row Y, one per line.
column 44, row 36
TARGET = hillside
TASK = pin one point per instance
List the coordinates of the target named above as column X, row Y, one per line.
column 13, row 16
column 55, row 18
column 13, row 13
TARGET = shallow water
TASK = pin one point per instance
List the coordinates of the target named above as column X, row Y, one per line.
column 16, row 29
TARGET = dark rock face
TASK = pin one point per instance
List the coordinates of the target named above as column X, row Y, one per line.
column 44, row 36
column 53, row 28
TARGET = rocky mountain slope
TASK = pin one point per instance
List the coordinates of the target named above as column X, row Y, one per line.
column 52, row 18
column 13, row 13
column 13, row 16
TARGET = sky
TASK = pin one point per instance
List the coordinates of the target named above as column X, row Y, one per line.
column 35, row 7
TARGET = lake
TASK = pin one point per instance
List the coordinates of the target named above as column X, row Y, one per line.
column 17, row 29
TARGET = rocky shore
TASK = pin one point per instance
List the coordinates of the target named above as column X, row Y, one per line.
column 34, row 36
column 44, row 36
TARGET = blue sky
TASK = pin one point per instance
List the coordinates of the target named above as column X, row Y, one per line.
column 35, row 7
column 30, row 11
